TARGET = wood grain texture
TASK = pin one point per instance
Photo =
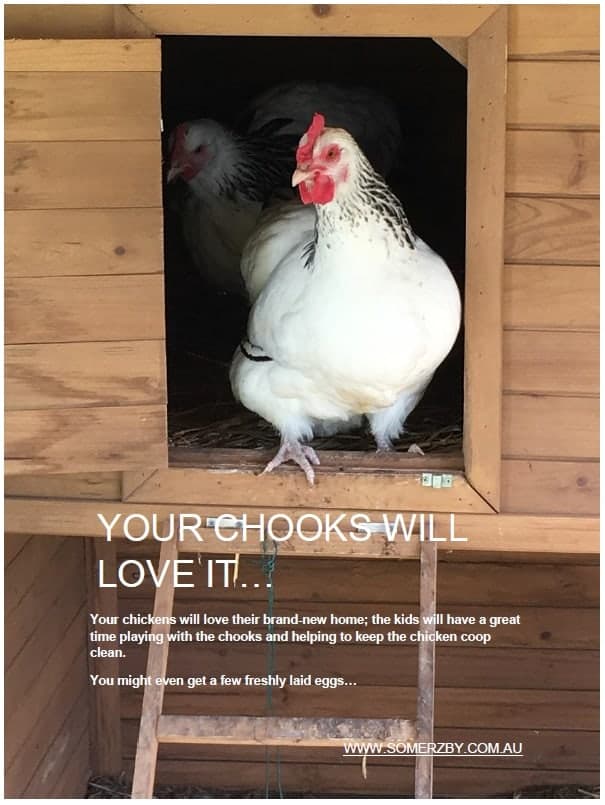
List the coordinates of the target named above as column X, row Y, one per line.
column 276, row 731
column 96, row 21
column 88, row 486
column 551, row 297
column 241, row 459
column 313, row 20
column 23, row 768
column 542, row 31
column 13, row 545
column 132, row 480
column 556, row 749
column 33, row 698
column 76, row 374
column 457, row 47
column 552, row 162
column 425, row 683
column 564, row 363
column 553, row 94
column 81, row 242
column 45, row 21
column 85, row 439
column 68, row 741
column 46, row 675
column 104, row 701
column 44, row 310
column 21, row 576
column 87, row 55
column 456, row 707
column 561, row 535
column 486, row 130
column 126, row 24
column 550, row 427
column 34, row 601
column 502, row 666
column 333, row 489
column 552, row 231
column 81, row 106
column 82, row 175
column 336, row 580
column 535, row 31
column 76, row 774
column 540, row 627
column 559, row 487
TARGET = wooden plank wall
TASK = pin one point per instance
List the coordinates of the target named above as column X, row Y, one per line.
column 85, row 376
column 46, row 675
column 536, row 683
column 551, row 307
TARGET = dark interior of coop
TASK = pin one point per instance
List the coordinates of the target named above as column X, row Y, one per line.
column 217, row 77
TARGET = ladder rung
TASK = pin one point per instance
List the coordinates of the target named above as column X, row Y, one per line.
column 275, row 731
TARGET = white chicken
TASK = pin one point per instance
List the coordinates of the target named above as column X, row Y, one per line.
column 232, row 177
column 355, row 316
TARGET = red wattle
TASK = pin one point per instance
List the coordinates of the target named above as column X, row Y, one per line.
column 189, row 171
column 323, row 190
column 318, row 190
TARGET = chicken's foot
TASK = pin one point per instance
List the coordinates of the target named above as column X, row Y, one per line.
column 301, row 454
column 416, row 449
column 385, row 445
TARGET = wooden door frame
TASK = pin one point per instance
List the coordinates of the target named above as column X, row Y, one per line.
column 476, row 35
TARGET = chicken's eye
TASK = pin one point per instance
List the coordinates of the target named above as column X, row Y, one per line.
column 332, row 153
column 198, row 150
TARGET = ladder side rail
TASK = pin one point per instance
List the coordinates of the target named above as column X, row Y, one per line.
column 153, row 695
column 425, row 702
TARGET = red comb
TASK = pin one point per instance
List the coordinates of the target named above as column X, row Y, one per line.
column 304, row 151
column 179, row 140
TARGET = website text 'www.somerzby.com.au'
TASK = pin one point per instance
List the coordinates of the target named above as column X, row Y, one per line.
column 434, row 748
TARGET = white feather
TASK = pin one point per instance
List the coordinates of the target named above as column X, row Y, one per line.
column 281, row 229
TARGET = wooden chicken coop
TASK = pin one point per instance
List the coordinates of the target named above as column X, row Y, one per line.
column 87, row 401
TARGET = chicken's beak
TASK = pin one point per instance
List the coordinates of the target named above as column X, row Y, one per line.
column 301, row 176
column 174, row 172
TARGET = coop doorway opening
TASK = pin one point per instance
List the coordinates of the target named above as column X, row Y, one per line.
column 217, row 78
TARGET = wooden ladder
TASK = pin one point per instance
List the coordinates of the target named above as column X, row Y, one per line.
column 156, row 727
